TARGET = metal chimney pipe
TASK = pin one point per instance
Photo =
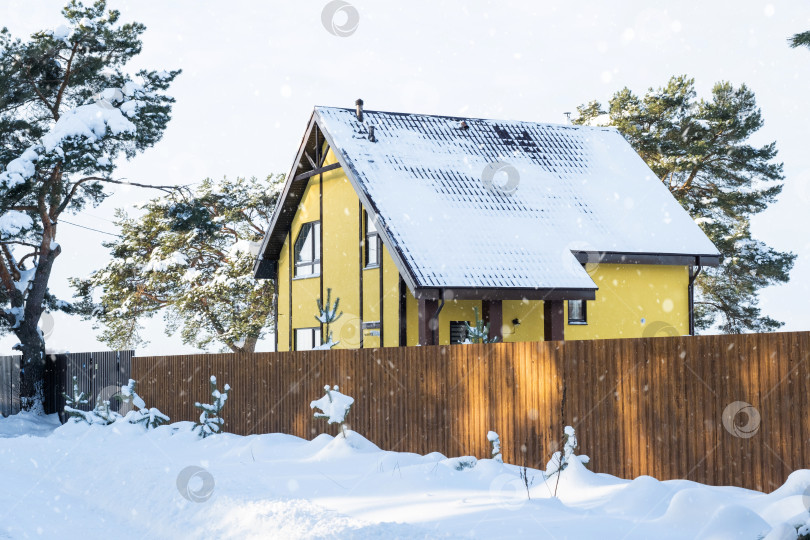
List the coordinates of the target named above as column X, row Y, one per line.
column 371, row 134
column 359, row 104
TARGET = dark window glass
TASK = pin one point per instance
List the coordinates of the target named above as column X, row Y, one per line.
column 458, row 332
column 307, row 339
column 308, row 250
column 576, row 312
column 372, row 243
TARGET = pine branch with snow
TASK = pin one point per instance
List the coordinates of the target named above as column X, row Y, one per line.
column 149, row 418
column 334, row 407
column 73, row 402
column 211, row 421
column 327, row 314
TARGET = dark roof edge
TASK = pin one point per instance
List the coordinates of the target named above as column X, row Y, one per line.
column 396, row 113
column 672, row 259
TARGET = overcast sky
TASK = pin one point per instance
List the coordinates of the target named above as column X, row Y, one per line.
column 253, row 70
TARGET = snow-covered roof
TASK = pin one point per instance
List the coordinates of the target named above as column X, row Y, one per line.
column 561, row 190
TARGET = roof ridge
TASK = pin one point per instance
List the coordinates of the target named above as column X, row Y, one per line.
column 397, row 113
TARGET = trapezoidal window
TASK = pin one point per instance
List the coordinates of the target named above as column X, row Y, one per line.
column 577, row 312
column 308, row 250
column 372, row 243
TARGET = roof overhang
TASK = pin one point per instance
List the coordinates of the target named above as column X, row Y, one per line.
column 468, row 293
column 672, row 259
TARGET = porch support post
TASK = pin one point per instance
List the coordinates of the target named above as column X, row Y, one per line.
column 426, row 310
column 492, row 313
column 553, row 323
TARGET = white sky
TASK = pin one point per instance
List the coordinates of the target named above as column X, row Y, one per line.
column 253, row 70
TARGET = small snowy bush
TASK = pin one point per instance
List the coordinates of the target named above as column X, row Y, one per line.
column 211, row 422
column 73, row 402
column 334, row 406
column 495, row 440
column 559, row 460
column 149, row 418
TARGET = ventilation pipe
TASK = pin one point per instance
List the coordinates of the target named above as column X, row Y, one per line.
column 359, row 109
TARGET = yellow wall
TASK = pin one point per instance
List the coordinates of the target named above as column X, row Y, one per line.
column 631, row 299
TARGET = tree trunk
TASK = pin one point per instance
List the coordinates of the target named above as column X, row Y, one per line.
column 32, row 367
column 32, row 344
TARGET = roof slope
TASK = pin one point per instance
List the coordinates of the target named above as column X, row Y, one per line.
column 581, row 189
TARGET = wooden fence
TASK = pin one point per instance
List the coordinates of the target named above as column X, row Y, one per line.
column 9, row 384
column 722, row 410
column 98, row 374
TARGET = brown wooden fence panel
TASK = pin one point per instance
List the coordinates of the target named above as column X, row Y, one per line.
column 640, row 406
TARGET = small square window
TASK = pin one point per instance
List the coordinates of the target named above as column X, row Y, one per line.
column 577, row 312
column 307, row 339
column 458, row 332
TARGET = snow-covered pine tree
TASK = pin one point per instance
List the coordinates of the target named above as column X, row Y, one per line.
column 327, row 314
column 700, row 151
column 189, row 258
column 68, row 110
column 480, row 332
column 149, row 418
column 334, row 407
column 72, row 404
column 211, row 421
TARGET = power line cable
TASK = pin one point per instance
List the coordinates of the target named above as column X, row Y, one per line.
column 90, row 228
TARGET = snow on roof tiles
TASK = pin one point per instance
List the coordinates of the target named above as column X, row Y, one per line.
column 578, row 188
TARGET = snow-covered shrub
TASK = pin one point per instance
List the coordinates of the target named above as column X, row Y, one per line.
column 149, row 418
column 327, row 314
column 495, row 440
column 462, row 463
column 480, row 332
column 210, row 422
column 73, row 402
column 333, row 406
column 560, row 460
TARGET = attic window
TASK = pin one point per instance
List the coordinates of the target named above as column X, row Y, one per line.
column 577, row 312
column 372, row 243
column 308, row 250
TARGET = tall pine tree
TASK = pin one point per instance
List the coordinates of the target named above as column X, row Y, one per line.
column 68, row 109
column 699, row 149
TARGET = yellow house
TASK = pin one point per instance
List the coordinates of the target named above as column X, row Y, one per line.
column 415, row 222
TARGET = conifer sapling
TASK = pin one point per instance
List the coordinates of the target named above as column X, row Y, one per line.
column 210, row 422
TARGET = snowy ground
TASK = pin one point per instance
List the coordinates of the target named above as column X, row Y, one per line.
column 79, row 481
